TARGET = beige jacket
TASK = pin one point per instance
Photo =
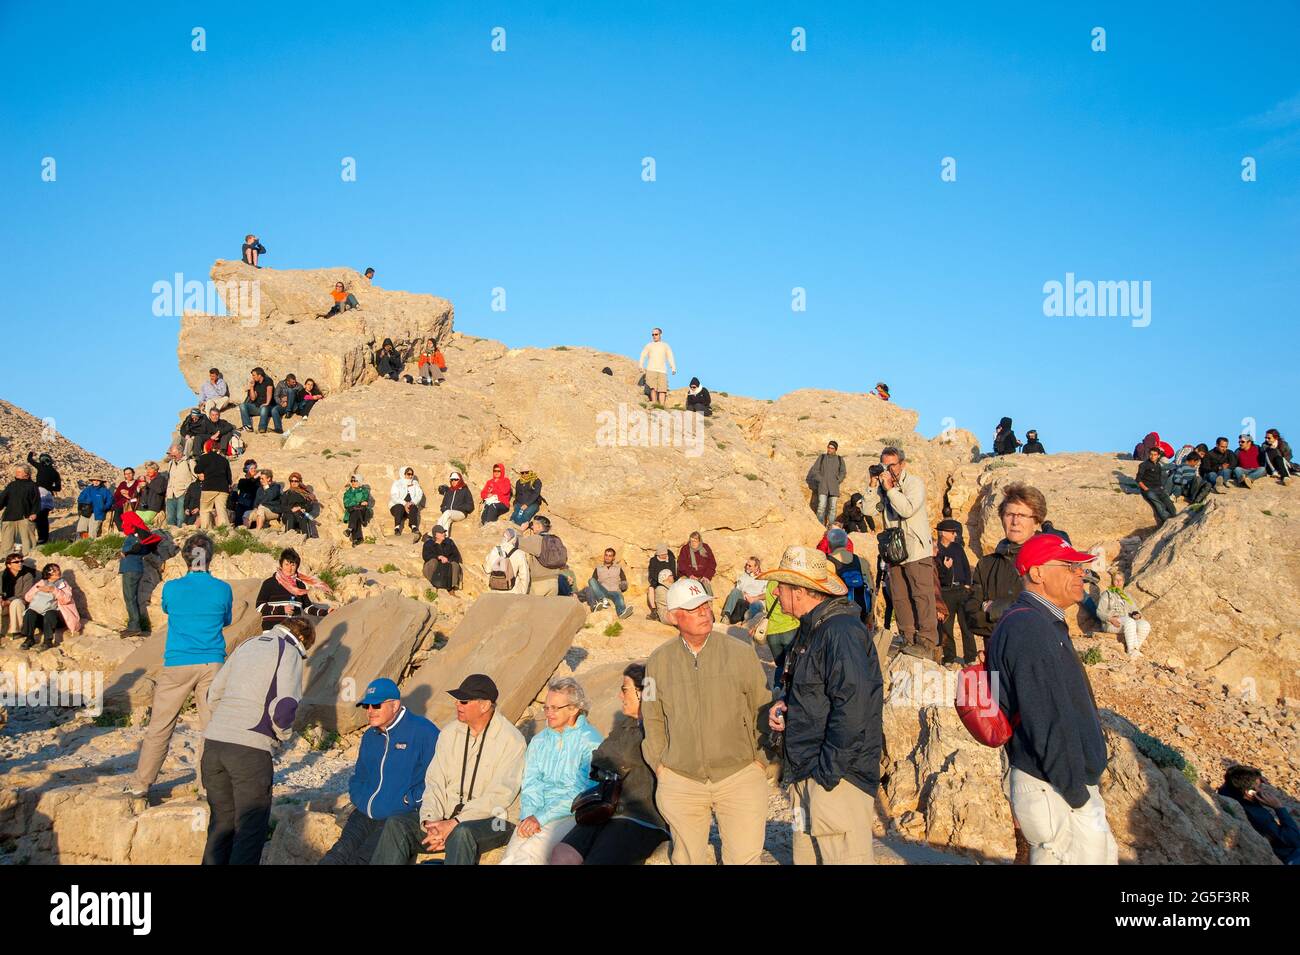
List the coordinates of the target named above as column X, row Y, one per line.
column 904, row 506
column 701, row 713
column 500, row 773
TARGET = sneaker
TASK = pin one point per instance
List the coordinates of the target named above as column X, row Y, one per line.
column 128, row 633
column 415, row 533
column 28, row 643
column 1245, row 480
column 130, row 790
column 627, row 612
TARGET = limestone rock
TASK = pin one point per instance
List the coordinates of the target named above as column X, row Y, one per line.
column 301, row 837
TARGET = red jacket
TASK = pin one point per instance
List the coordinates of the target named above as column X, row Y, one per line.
column 825, row 546
column 500, row 486
column 704, row 568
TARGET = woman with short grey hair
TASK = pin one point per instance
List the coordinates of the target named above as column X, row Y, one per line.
column 573, row 690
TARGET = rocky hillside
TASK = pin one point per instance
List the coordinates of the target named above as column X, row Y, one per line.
column 21, row 432
column 1218, row 682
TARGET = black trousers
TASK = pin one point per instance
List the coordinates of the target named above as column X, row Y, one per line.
column 48, row 623
column 358, row 840
column 358, row 517
column 402, row 516
column 238, row 781
column 617, row 842
column 42, row 526
column 954, row 598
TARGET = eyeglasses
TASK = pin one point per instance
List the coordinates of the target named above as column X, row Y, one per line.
column 373, row 706
column 1079, row 569
column 1018, row 515
column 556, row 709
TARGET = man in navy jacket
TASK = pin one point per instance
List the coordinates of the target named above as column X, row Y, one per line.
column 1057, row 752
column 389, row 777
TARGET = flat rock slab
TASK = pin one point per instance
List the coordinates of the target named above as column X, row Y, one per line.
column 362, row 641
column 516, row 639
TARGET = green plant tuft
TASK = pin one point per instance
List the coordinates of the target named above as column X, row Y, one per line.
column 1162, row 754
column 108, row 718
column 614, row 629
column 1092, row 657
column 388, row 569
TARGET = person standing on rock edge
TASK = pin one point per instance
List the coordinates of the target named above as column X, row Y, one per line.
column 656, row 359
column 471, row 784
column 140, row 542
column 830, row 714
column 20, row 501
column 252, row 251
column 254, row 701
column 388, row 780
column 1057, row 750
column 180, row 475
column 47, row 477
column 213, row 472
column 1004, row 439
column 996, row 583
column 198, row 608
column 911, row 583
column 701, row 734
column 824, row 477
column 954, row 580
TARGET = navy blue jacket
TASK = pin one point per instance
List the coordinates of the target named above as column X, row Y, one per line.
column 1040, row 676
column 1275, row 825
column 835, row 700
column 389, row 777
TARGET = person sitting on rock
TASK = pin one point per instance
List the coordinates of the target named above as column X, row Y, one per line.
column 1277, row 456
column 457, row 502
column 635, row 829
column 189, row 435
column 696, row 561
column 358, row 507
column 1267, row 815
column 50, row 603
column 507, row 566
column 881, row 391
column 1187, row 479
column 1119, row 614
column 495, row 495
column 369, row 276
column 311, row 394
column 266, row 501
column 528, row 497
column 1250, row 461
column 1004, row 439
column 297, row 504
column 473, row 780
column 211, row 428
column 140, row 542
column 245, row 492
column 387, row 785
column 16, row 579
column 343, row 301
column 259, row 398
column 609, row 582
column 405, row 501
column 126, row 496
column 835, row 537
column 254, row 701
column 252, row 250
column 214, row 393
column 1217, row 465
column 387, row 361
column 93, row 503
column 854, row 517
column 557, row 768
column 431, row 363
column 1150, row 480
column 442, row 561
column 699, row 399
column 547, row 558
column 283, row 596
column 658, row 597
column 1032, row 445
column 746, row 598
column 662, row 559
column 288, row 395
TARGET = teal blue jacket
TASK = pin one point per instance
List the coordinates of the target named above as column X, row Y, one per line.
column 556, row 769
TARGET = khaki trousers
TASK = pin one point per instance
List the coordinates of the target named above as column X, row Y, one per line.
column 832, row 826
column 210, row 501
column 24, row 531
column 1057, row 833
column 545, row 587
column 739, row 802
column 171, row 688
column 911, row 585
column 13, row 616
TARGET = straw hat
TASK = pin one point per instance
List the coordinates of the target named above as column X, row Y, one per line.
column 807, row 567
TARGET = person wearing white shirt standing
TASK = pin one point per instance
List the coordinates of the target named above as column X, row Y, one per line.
column 657, row 359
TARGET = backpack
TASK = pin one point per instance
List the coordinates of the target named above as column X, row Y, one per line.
column 554, row 554
column 893, row 549
column 502, row 575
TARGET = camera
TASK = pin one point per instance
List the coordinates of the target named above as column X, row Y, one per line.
column 876, row 470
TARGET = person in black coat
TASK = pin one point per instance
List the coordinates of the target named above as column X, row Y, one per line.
column 1266, row 813
column 442, row 560
column 854, row 517
column 636, row 829
column 699, row 399
column 47, row 476
column 1032, row 444
column 830, row 716
column 954, row 584
column 1004, row 439
column 387, row 361
column 20, row 503
column 284, row 595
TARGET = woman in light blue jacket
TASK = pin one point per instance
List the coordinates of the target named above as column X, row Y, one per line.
column 557, row 768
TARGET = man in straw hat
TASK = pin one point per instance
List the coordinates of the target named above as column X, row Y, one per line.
column 830, row 714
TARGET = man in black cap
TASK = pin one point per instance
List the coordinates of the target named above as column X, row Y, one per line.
column 470, row 788
column 954, row 582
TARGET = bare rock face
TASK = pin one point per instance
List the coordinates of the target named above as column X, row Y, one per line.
column 271, row 323
column 1160, row 818
column 302, row 835
column 1222, row 587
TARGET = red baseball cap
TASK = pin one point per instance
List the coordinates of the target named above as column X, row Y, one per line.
column 1042, row 548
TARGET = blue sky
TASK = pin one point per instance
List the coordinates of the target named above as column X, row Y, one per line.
column 775, row 169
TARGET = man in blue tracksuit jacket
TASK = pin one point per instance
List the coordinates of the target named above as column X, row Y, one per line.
column 1057, row 751
column 388, row 781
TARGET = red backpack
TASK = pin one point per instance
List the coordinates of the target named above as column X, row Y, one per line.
column 977, row 708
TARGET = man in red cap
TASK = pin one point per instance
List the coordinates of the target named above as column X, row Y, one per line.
column 1057, row 751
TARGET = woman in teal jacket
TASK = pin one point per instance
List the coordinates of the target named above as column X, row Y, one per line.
column 556, row 769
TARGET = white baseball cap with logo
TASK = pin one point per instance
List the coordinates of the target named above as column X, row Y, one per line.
column 687, row 594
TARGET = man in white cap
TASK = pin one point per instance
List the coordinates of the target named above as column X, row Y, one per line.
column 701, row 734
column 830, row 716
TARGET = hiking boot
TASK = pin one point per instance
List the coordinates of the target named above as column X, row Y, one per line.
column 129, row 632
column 1245, row 480
column 1218, row 487
column 28, row 643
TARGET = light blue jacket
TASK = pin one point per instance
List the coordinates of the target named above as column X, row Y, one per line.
column 556, row 769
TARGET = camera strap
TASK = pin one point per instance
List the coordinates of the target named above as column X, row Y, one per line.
column 464, row 762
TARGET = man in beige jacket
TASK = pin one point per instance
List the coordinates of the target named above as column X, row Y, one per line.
column 700, row 707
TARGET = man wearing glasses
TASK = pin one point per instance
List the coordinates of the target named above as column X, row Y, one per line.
column 1057, row 751
column 1250, row 461
column 469, row 788
column 996, row 583
column 656, row 359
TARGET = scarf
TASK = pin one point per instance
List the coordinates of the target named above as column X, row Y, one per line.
column 691, row 552
column 1119, row 590
column 298, row 585
column 528, row 478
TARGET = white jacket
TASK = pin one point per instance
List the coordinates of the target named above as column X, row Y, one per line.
column 659, row 356
column 402, row 487
column 518, row 560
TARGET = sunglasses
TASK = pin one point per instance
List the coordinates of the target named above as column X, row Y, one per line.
column 373, row 706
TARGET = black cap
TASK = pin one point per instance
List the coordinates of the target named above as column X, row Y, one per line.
column 476, row 686
column 949, row 524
